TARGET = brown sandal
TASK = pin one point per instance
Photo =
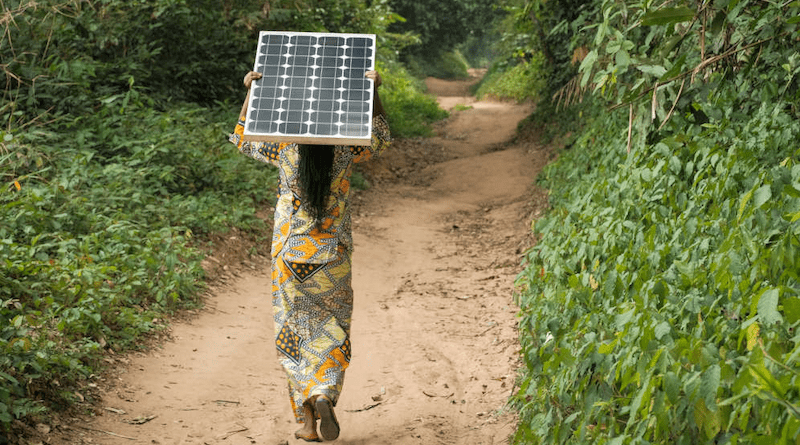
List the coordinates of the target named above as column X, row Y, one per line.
column 328, row 425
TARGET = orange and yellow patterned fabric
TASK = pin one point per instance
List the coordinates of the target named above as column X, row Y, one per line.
column 295, row 234
column 312, row 297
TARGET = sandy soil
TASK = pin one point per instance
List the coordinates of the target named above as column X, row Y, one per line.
column 439, row 237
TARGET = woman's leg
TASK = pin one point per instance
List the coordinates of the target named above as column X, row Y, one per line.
column 313, row 306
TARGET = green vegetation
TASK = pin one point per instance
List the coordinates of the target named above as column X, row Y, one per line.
column 410, row 110
column 533, row 55
column 662, row 300
column 448, row 65
column 116, row 171
column 442, row 25
column 441, row 28
column 519, row 82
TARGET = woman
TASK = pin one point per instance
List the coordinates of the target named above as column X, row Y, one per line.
column 312, row 244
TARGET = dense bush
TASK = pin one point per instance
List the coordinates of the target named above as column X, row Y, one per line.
column 447, row 65
column 94, row 247
column 519, row 82
column 534, row 52
column 410, row 110
column 662, row 300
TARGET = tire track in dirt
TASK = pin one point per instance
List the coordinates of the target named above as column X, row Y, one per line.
column 438, row 241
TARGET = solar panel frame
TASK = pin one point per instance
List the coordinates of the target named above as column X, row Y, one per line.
column 312, row 89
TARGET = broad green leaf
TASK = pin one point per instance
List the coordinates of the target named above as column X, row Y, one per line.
column 606, row 348
column 668, row 16
column 662, row 329
column 768, row 306
column 790, row 430
column 622, row 58
column 709, row 384
column 8, row 377
column 654, row 70
column 762, row 195
column 791, row 309
column 622, row 319
column 670, row 44
column 586, row 66
column 676, row 69
column 791, row 190
column 636, row 403
column 672, row 386
column 619, row 440
column 743, row 204
column 707, row 420
column 766, row 381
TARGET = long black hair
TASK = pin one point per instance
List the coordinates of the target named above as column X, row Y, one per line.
column 316, row 164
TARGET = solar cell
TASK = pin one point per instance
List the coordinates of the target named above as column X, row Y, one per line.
column 312, row 88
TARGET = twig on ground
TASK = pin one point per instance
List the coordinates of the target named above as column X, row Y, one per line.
column 107, row 432
column 365, row 408
column 231, row 433
column 436, row 395
column 487, row 330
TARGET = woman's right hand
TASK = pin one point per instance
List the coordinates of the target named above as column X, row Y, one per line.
column 250, row 77
column 375, row 78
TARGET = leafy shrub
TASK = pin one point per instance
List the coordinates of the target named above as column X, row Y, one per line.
column 409, row 109
column 448, row 65
column 660, row 301
column 519, row 82
column 95, row 247
column 661, row 304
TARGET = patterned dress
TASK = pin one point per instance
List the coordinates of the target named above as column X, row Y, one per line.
column 312, row 297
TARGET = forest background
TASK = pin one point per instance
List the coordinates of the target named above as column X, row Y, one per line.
column 659, row 305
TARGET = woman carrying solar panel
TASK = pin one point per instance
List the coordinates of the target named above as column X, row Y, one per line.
column 312, row 244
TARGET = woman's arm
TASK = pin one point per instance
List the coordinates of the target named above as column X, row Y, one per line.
column 377, row 105
column 268, row 152
column 248, row 82
column 381, row 137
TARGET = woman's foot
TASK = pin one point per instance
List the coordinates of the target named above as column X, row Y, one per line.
column 309, row 430
column 328, row 425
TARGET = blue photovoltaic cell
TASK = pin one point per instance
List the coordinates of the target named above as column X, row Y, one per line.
column 312, row 89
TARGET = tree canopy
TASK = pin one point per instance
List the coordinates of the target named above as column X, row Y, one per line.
column 442, row 25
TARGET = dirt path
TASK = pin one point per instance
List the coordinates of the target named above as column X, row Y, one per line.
column 438, row 238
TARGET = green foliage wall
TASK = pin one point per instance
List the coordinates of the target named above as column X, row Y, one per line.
column 546, row 33
column 410, row 111
column 520, row 82
column 661, row 303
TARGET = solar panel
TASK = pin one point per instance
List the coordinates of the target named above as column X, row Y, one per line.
column 312, row 89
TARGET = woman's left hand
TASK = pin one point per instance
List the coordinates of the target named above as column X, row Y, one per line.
column 250, row 77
